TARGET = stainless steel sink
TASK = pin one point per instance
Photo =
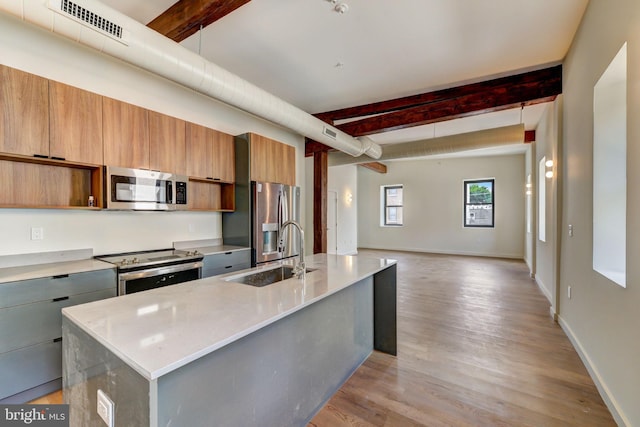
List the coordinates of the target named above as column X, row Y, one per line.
column 266, row 277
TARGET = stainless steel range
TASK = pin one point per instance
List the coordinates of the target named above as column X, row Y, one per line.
column 141, row 271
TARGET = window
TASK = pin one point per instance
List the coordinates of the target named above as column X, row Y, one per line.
column 610, row 171
column 392, row 205
column 478, row 203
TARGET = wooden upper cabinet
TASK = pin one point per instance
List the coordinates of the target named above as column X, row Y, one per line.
column 24, row 108
column 125, row 130
column 224, row 165
column 210, row 154
column 287, row 154
column 199, row 151
column 167, row 144
column 272, row 161
column 75, row 124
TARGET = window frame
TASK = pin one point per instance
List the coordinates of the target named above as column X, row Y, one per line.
column 466, row 184
column 385, row 205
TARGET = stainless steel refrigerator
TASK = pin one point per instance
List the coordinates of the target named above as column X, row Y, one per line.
column 272, row 205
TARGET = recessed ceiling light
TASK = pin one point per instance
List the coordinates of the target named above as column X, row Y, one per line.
column 341, row 8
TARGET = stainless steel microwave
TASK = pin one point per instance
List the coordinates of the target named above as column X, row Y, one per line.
column 140, row 189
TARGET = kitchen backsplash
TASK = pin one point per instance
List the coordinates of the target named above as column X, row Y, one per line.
column 104, row 231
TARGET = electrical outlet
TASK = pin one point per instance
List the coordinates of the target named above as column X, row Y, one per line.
column 37, row 233
column 569, row 292
column 105, row 408
column 570, row 230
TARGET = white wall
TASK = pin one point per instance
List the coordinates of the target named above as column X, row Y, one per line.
column 344, row 180
column 33, row 50
column 104, row 231
column 433, row 210
column 601, row 317
column 546, row 145
column 530, row 211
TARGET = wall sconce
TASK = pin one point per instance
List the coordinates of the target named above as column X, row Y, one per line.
column 549, row 164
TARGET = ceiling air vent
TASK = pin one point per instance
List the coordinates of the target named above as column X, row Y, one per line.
column 89, row 18
column 328, row 132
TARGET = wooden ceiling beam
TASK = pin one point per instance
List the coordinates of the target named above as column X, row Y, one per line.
column 477, row 98
column 431, row 114
column 375, row 166
column 185, row 17
column 312, row 147
column 529, row 136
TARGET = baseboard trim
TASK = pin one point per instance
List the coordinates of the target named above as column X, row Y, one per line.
column 528, row 262
column 544, row 289
column 604, row 391
column 445, row 252
column 348, row 253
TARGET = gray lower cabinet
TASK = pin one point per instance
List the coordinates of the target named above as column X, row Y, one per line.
column 31, row 329
column 225, row 262
column 26, row 368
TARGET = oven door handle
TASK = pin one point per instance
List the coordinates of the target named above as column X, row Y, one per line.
column 158, row 271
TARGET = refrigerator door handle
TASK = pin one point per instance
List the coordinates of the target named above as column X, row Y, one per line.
column 280, row 222
column 285, row 208
column 283, row 216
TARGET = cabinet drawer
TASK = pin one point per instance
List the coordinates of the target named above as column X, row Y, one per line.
column 227, row 258
column 225, row 262
column 30, row 367
column 224, row 270
column 48, row 288
column 30, row 324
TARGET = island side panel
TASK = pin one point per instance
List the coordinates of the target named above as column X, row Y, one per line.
column 385, row 336
column 89, row 366
column 280, row 375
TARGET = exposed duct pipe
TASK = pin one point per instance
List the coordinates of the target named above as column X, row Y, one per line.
column 96, row 25
column 447, row 144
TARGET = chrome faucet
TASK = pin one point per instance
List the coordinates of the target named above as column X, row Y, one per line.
column 299, row 269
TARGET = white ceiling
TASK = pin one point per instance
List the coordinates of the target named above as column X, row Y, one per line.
column 387, row 49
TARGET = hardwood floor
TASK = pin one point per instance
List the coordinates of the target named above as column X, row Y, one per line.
column 476, row 347
column 54, row 398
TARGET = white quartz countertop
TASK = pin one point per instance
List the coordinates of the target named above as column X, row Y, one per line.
column 28, row 272
column 158, row 331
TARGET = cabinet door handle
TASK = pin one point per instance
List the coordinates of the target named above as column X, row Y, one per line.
column 60, row 299
column 216, row 179
column 40, row 156
column 229, row 266
column 57, row 339
column 228, row 253
column 61, row 276
column 58, row 158
column 210, row 178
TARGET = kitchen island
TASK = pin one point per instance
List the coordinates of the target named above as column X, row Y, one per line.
column 217, row 352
